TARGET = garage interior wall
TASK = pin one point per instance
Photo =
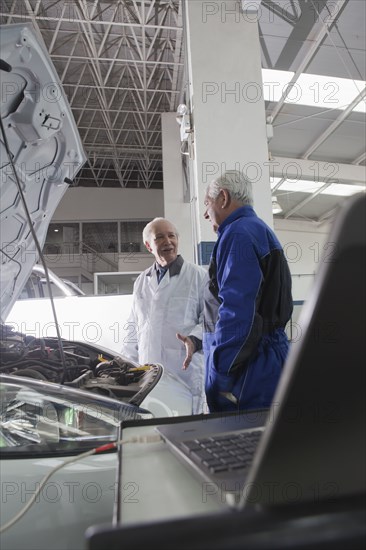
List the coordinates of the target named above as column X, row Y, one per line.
column 88, row 204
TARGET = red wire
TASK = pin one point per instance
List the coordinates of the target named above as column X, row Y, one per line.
column 106, row 447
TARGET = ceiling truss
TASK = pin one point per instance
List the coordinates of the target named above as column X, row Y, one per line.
column 121, row 64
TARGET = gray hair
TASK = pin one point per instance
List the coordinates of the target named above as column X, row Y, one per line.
column 148, row 228
column 238, row 186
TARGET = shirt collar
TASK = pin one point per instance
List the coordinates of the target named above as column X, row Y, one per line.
column 174, row 268
column 246, row 211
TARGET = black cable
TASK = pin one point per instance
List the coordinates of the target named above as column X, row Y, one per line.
column 39, row 250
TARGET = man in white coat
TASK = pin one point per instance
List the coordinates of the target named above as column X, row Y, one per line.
column 167, row 311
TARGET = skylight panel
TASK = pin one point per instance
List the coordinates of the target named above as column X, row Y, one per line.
column 308, row 186
column 343, row 190
column 324, row 92
column 301, row 186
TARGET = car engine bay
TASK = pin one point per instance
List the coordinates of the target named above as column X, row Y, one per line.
column 84, row 367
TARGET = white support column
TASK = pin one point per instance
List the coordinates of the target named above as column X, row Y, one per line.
column 226, row 104
column 177, row 208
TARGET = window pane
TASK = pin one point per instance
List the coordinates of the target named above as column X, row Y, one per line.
column 131, row 236
column 100, row 236
column 62, row 238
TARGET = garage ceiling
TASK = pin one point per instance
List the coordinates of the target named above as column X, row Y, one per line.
column 122, row 64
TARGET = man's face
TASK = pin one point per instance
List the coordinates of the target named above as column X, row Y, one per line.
column 213, row 211
column 163, row 243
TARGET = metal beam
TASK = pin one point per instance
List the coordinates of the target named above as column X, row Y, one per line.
column 332, row 127
column 306, row 201
column 315, row 170
column 359, row 159
column 82, row 20
column 324, row 30
column 102, row 87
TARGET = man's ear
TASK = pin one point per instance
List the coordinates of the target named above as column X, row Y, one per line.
column 226, row 198
column 147, row 244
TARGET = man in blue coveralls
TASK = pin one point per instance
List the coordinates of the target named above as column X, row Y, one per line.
column 247, row 301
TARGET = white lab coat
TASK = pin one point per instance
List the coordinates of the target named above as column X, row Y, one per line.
column 158, row 312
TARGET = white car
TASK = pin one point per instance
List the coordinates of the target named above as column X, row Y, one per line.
column 59, row 397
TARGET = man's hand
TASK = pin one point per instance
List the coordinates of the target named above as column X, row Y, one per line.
column 190, row 348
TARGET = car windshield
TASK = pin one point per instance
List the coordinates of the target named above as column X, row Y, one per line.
column 36, row 286
column 47, row 418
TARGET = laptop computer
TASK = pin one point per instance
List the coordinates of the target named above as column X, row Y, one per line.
column 310, row 445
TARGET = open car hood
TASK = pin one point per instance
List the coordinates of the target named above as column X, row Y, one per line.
column 45, row 147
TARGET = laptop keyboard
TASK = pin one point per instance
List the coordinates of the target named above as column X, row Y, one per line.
column 221, row 453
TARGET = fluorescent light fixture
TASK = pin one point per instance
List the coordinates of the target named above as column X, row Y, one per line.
column 276, row 207
column 308, row 186
column 325, row 92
